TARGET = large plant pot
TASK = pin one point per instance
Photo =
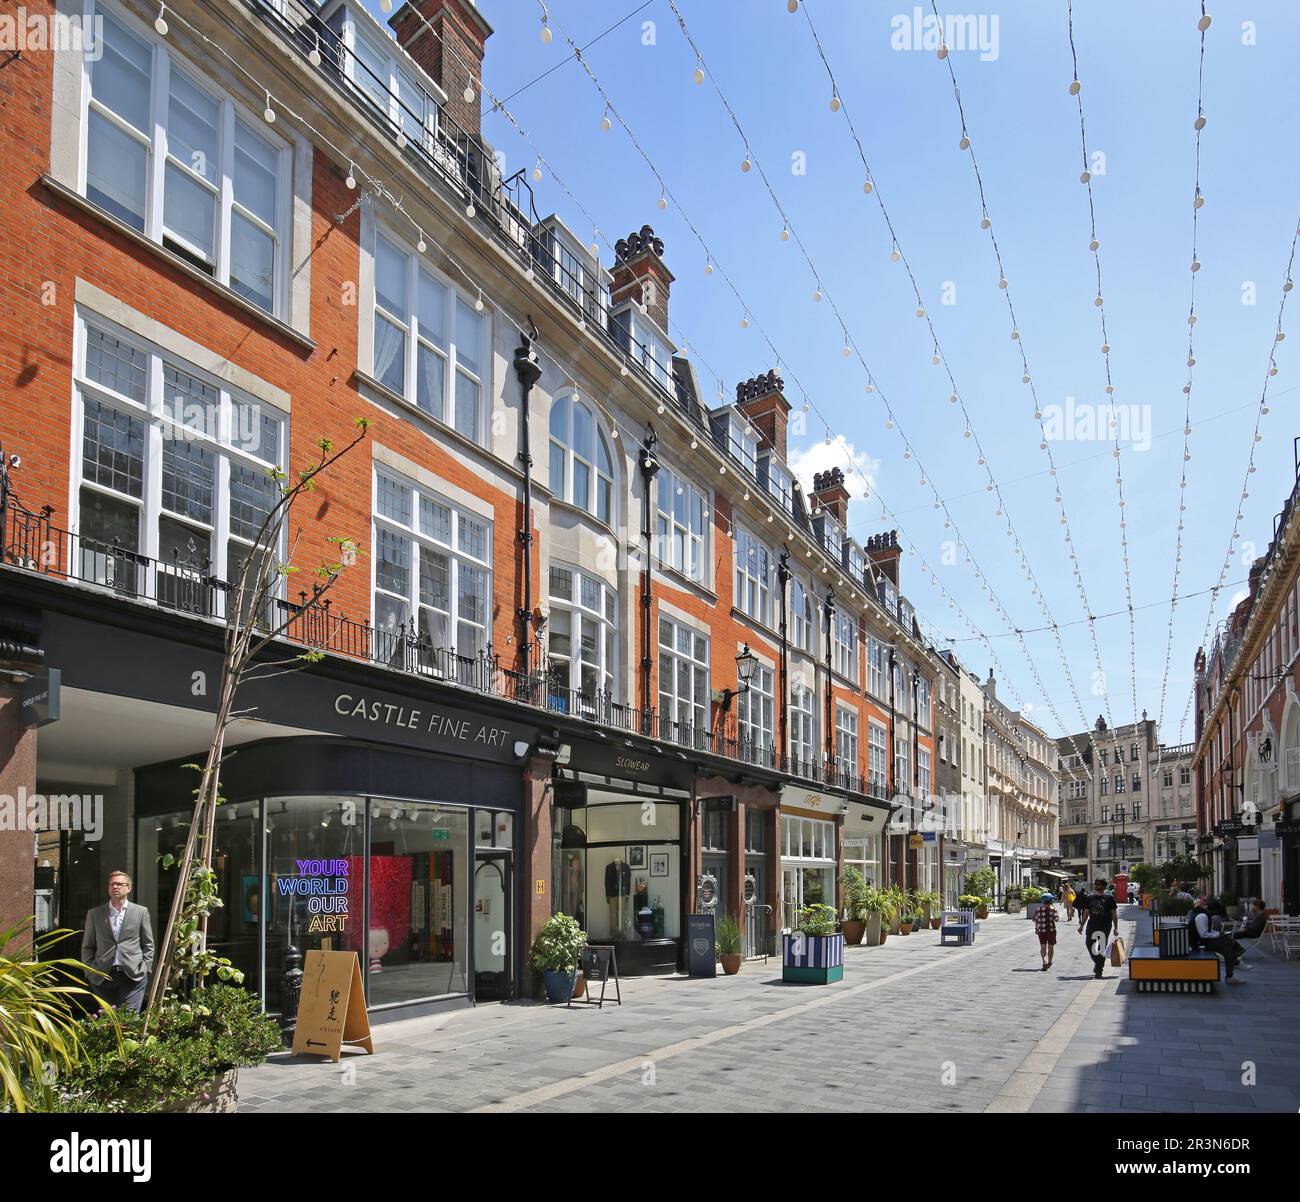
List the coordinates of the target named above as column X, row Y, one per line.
column 580, row 985
column 872, row 937
column 1032, row 909
column 731, row 964
column 934, row 923
column 812, row 959
column 904, row 928
column 218, row 1096
column 559, row 985
column 1013, row 905
column 853, row 931
column 982, row 912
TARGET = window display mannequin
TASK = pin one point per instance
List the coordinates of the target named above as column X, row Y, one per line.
column 573, row 887
column 618, row 887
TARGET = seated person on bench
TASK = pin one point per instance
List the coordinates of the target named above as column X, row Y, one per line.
column 1256, row 923
column 1201, row 935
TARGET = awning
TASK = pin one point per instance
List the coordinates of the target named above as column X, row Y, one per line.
column 1065, row 876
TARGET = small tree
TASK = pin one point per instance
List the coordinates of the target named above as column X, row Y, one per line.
column 983, row 882
column 252, row 626
column 1182, row 868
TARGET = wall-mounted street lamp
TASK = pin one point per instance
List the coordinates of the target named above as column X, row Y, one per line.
column 746, row 665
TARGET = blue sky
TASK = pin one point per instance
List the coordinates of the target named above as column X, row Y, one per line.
column 1138, row 65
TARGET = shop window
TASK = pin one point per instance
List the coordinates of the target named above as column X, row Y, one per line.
column 221, row 180
column 617, row 863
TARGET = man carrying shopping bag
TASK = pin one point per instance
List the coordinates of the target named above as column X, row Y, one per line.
column 1099, row 911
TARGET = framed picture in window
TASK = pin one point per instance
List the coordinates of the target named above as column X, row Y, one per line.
column 636, row 856
column 659, row 864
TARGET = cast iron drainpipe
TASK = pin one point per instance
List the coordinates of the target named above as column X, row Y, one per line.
column 783, row 580
column 528, row 371
column 649, row 469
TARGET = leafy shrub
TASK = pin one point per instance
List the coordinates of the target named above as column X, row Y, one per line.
column 728, row 935
column 218, row 1028
column 983, row 882
column 817, row 919
column 854, row 887
column 558, row 945
column 970, row 901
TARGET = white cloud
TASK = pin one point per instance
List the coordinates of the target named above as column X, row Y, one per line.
column 806, row 462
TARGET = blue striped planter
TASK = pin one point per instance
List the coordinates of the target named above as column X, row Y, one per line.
column 812, row 959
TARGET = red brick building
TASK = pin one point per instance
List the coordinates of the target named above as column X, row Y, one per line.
column 601, row 653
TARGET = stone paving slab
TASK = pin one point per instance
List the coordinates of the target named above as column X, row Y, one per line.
column 912, row 1027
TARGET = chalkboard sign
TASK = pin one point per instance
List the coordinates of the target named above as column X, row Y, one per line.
column 598, row 963
column 701, row 946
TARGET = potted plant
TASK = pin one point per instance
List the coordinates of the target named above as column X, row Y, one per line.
column 854, row 890
column 930, row 904
column 555, row 955
column 983, row 882
column 897, row 901
column 728, row 940
column 876, row 912
column 1031, row 897
column 1013, row 898
column 813, row 953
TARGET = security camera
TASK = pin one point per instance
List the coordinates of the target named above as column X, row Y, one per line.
column 15, row 462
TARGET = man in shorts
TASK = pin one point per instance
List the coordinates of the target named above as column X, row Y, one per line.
column 1045, row 925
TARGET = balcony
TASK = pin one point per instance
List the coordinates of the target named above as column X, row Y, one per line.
column 31, row 545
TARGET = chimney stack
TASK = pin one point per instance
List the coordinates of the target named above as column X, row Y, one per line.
column 451, row 55
column 884, row 553
column 639, row 275
column 829, row 492
column 762, row 400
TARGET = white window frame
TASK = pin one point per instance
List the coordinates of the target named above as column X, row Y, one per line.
column 803, row 725
column 846, row 741
column 780, row 485
column 602, row 618
column 163, row 59
column 923, row 772
column 672, row 535
column 683, row 718
column 755, row 716
column 902, row 764
column 600, row 483
column 453, row 365
column 216, row 435
column 742, row 442
column 396, row 72
column 801, row 612
column 755, row 569
column 419, row 542
column 844, row 635
column 877, row 755
column 875, row 667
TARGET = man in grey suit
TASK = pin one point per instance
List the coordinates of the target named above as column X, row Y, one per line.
column 118, row 944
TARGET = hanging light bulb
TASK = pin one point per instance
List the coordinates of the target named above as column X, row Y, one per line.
column 895, row 254
column 269, row 113
column 478, row 304
column 785, row 233
column 698, row 77
column 468, row 94
column 964, row 144
column 605, row 123
column 1204, row 23
column 537, row 170
column 663, row 200
column 835, row 102
column 985, row 223
column 942, row 52
column 546, row 30
column 313, row 55
column 745, row 166
column 744, row 322
column 420, row 245
column 470, row 210
column 708, row 266
column 161, row 23
column 868, row 187
column 792, row 6
column 817, row 293
column 351, row 181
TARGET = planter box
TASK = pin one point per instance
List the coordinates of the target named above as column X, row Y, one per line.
column 1032, row 909
column 1013, row 906
column 812, row 959
column 218, row 1096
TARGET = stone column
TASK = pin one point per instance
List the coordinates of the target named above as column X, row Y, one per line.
column 533, row 863
column 17, row 779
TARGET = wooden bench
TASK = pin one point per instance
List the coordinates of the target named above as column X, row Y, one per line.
column 1197, row 972
column 957, row 927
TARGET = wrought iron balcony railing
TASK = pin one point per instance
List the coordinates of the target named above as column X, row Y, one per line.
column 30, row 542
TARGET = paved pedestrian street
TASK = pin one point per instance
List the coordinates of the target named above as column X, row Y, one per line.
column 913, row 1026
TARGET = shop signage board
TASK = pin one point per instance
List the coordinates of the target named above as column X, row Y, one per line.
column 315, row 699
column 915, row 842
column 331, row 1007
column 1287, row 826
column 39, row 697
column 598, row 963
column 1248, row 849
column 701, row 946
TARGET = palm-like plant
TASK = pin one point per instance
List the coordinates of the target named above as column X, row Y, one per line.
column 38, row 1022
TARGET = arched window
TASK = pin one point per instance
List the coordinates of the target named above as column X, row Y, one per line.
column 582, row 468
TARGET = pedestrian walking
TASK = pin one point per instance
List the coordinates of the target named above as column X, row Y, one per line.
column 118, row 947
column 1069, row 901
column 1045, row 925
column 1101, row 915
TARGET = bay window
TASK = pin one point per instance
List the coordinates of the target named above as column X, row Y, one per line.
column 680, row 515
column 176, row 159
column 753, row 577
column 581, row 637
column 430, row 343
column 582, row 468
column 683, row 683
column 175, row 468
column 433, row 574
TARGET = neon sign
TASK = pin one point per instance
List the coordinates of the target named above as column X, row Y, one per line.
column 326, row 885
